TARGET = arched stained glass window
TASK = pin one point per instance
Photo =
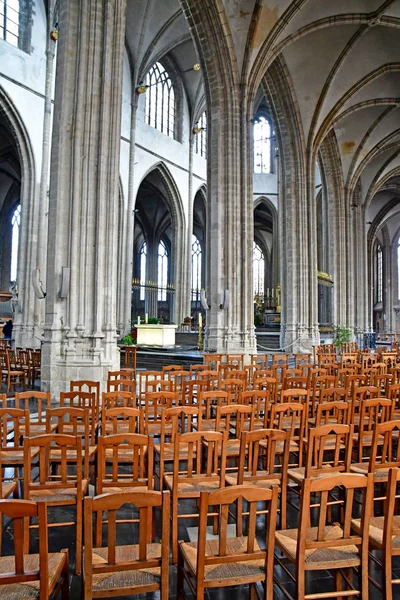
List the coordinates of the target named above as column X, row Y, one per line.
column 9, row 21
column 196, row 268
column 262, row 135
column 160, row 100
column 379, row 274
column 162, row 271
column 258, row 270
column 15, row 223
column 143, row 266
column 200, row 140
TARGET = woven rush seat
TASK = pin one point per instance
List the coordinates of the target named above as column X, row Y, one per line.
column 7, row 488
column 125, row 579
column 381, row 474
column 55, row 454
column 194, row 485
column 233, row 480
column 339, row 557
column 298, row 473
column 168, row 451
column 52, row 496
column 228, row 570
column 376, row 526
column 12, row 456
column 30, row 589
column 124, row 454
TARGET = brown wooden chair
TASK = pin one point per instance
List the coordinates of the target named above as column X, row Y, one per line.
column 15, row 375
column 385, row 452
column 291, row 417
column 325, row 541
column 122, row 385
column 122, row 419
column 118, row 399
column 130, row 357
column 261, row 401
column 23, row 575
column 201, row 469
column 80, row 399
column 65, row 486
column 37, row 403
column 9, row 487
column 72, row 421
column 36, row 365
column 154, row 404
column 230, row 561
column 263, row 462
column 124, row 570
column 372, row 412
column 174, row 420
column 14, row 425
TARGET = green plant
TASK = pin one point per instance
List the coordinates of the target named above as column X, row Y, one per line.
column 258, row 320
column 127, row 340
column 153, row 320
column 342, row 336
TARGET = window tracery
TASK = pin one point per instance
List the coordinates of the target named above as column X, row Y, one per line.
column 160, row 100
column 200, row 141
column 379, row 274
column 15, row 224
column 258, row 270
column 262, row 136
column 143, row 266
column 9, row 21
column 196, row 268
column 162, row 271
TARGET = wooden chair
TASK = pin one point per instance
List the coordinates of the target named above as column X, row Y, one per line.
column 330, row 543
column 154, row 404
column 71, row 421
column 212, row 361
column 202, row 469
column 130, row 357
column 385, row 452
column 332, row 412
column 14, row 425
column 124, row 570
column 122, row 385
column 234, row 387
column 36, row 365
column 80, row 399
column 144, row 378
column 263, row 463
column 23, row 575
column 130, row 457
column 291, row 417
column 372, row 412
column 122, row 419
column 37, row 403
column 9, row 487
column 384, row 535
column 118, row 399
column 208, row 404
column 230, row 561
column 189, row 395
column 15, row 375
column 260, row 400
column 122, row 374
column 236, row 360
column 260, row 361
column 65, row 487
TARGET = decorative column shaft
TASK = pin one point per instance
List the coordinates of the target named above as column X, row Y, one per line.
column 80, row 322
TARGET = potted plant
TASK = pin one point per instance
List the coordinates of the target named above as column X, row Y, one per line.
column 342, row 336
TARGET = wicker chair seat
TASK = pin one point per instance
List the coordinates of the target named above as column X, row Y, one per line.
column 254, row 569
column 297, row 474
column 376, row 530
column 380, row 475
column 55, row 455
column 168, row 451
column 8, row 488
column 322, row 558
column 55, row 495
column 129, row 578
column 38, row 428
column 124, row 454
column 193, row 485
column 30, row 589
column 16, row 456
column 254, row 480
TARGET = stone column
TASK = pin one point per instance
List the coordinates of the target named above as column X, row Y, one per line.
column 80, row 320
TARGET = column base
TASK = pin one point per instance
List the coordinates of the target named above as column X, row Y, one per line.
column 230, row 341
column 299, row 339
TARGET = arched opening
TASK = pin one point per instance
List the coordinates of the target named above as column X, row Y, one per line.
column 158, row 240
column 198, row 254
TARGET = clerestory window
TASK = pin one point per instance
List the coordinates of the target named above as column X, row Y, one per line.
column 160, row 100
column 9, row 21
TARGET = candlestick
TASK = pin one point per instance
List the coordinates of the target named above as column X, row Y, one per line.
column 147, row 318
column 200, row 321
column 138, row 320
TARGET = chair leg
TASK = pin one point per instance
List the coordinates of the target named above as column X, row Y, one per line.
column 78, row 559
column 301, row 583
column 174, row 530
column 339, row 583
column 239, row 517
column 65, row 583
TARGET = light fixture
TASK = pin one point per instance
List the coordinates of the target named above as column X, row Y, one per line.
column 196, row 129
column 141, row 88
column 196, row 67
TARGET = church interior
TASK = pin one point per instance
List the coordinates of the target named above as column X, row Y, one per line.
column 200, row 298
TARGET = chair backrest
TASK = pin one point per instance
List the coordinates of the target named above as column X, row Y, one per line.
column 205, row 456
column 242, row 550
column 144, row 377
column 297, row 395
column 130, row 357
column 14, row 421
column 332, row 412
column 301, row 359
column 260, row 361
column 233, row 386
column 73, row 466
column 333, row 394
column 329, row 533
column 35, row 402
column 391, row 529
column 129, row 457
column 329, row 447
column 140, row 535
column 118, row 398
column 178, row 419
column 233, row 419
column 260, row 400
column 191, row 391
column 212, row 360
column 87, row 385
column 154, row 404
column 280, row 359
column 122, row 419
column 22, row 571
column 122, row 385
column 208, row 401
column 272, row 445
column 122, row 374
column 385, row 451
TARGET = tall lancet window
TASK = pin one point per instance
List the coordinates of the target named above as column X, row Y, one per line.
column 15, row 223
column 258, row 270
column 262, row 135
column 162, row 271
column 143, row 266
column 200, row 140
column 196, row 268
column 379, row 274
column 9, row 21
column 160, row 100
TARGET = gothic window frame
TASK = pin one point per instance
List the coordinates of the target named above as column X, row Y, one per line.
column 259, row 273
column 161, row 102
column 162, row 271
column 265, row 165
column 379, row 273
column 200, row 140
column 143, row 270
column 196, row 258
column 15, row 237
column 16, row 23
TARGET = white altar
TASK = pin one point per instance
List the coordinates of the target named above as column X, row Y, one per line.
column 156, row 335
